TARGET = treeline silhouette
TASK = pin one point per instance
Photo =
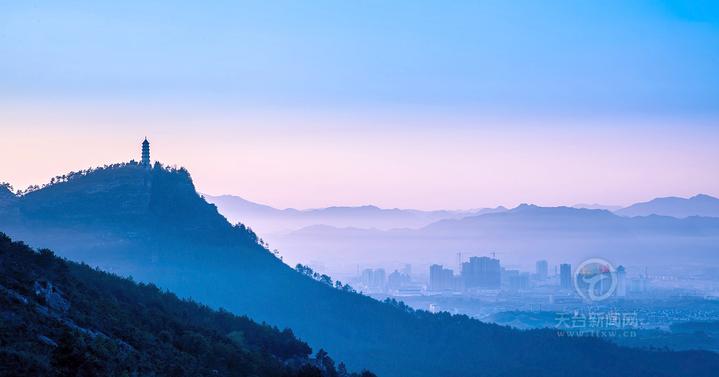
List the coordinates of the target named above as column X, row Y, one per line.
column 61, row 318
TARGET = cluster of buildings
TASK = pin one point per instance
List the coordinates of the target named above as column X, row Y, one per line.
column 477, row 273
column 374, row 279
column 483, row 273
column 486, row 273
column 399, row 281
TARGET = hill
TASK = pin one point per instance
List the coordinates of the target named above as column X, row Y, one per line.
column 521, row 235
column 7, row 197
column 597, row 206
column 698, row 205
column 268, row 220
column 66, row 319
column 151, row 224
column 531, row 218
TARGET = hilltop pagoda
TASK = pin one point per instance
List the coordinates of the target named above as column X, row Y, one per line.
column 145, row 153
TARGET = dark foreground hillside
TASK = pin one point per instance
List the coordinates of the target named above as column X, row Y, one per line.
column 59, row 318
column 152, row 224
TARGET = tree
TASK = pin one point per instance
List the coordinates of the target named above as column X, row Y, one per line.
column 326, row 279
column 69, row 355
column 342, row 370
column 326, row 362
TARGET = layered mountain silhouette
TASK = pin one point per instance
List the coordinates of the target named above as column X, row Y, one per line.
column 269, row 220
column 597, row 206
column 273, row 221
column 698, row 205
column 151, row 224
column 340, row 238
column 522, row 235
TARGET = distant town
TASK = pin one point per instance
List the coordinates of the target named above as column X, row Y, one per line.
column 482, row 275
column 483, row 288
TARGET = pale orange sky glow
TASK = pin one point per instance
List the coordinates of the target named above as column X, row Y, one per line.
column 408, row 158
column 418, row 105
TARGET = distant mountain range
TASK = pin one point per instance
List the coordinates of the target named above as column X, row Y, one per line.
column 271, row 222
column 268, row 220
column 520, row 235
column 340, row 238
column 151, row 224
column 597, row 206
column 699, row 205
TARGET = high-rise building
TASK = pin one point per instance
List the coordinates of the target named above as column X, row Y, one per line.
column 621, row 282
column 507, row 275
column 374, row 280
column 407, row 269
column 519, row 281
column 435, row 273
column 440, row 278
column 565, row 276
column 397, row 280
column 378, row 279
column 542, row 270
column 367, row 277
column 145, row 161
column 481, row 272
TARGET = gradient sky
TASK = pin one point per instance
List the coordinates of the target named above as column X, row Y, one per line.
column 399, row 104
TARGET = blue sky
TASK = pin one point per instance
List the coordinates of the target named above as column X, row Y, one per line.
column 556, row 65
column 616, row 56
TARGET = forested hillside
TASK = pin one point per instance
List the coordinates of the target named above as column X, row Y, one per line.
column 60, row 318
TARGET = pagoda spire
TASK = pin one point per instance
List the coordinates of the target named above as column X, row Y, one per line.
column 145, row 153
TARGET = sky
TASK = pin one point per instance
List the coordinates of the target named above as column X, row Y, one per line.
column 413, row 104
